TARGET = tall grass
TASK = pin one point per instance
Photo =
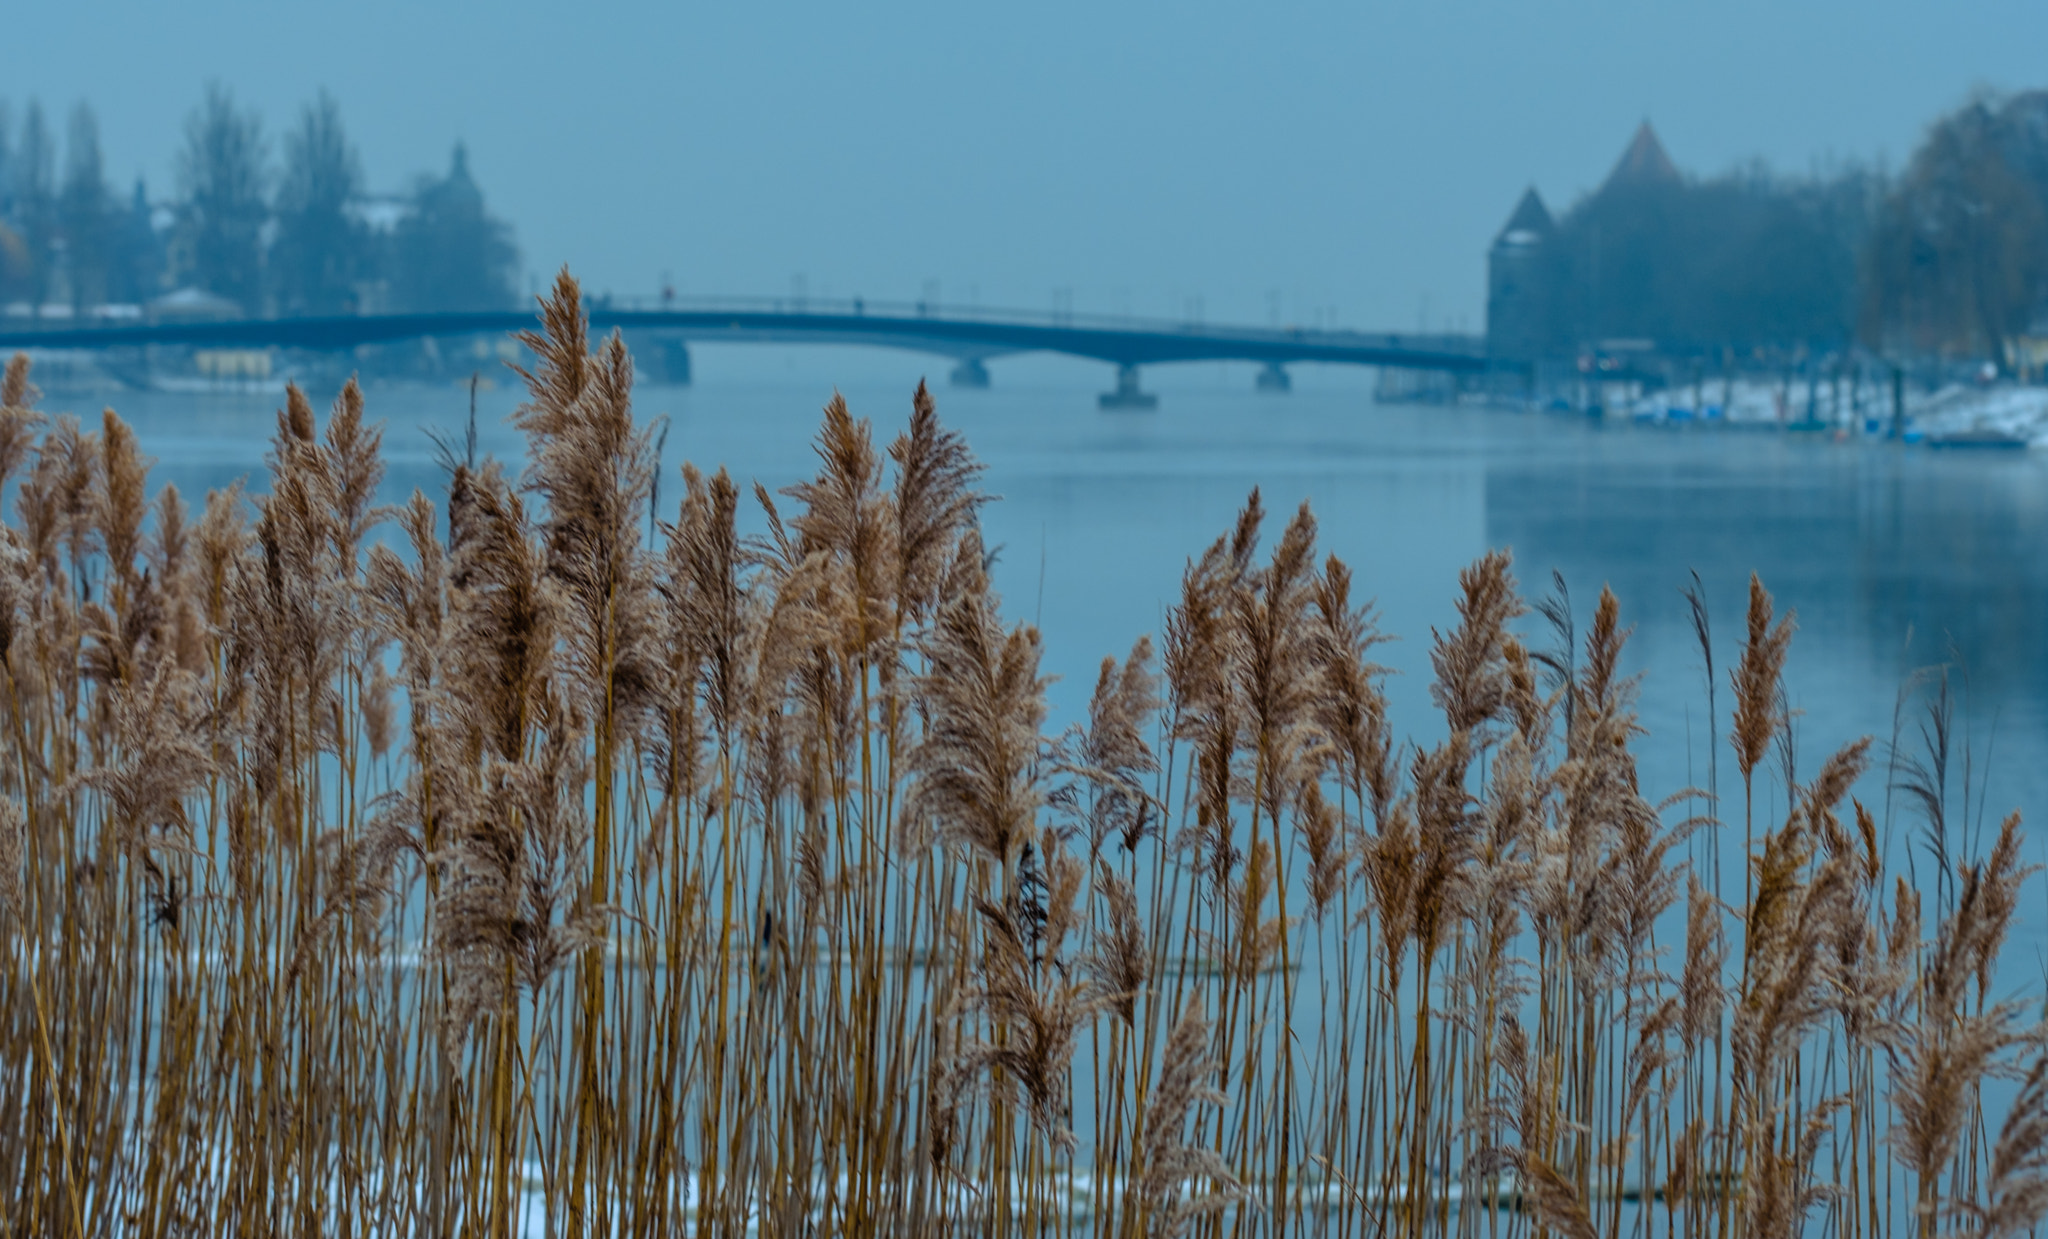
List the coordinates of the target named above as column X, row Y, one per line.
column 480, row 866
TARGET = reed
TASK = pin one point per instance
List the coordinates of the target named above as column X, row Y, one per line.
column 519, row 860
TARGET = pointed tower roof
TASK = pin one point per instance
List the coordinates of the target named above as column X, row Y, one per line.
column 1529, row 224
column 1644, row 162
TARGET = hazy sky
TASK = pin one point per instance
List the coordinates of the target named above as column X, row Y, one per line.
column 1354, row 156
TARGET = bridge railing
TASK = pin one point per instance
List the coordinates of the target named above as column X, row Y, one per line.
column 858, row 307
column 854, row 307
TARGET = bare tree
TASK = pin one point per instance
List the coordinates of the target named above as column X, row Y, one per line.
column 1959, row 259
column 35, row 213
column 221, row 180
column 322, row 249
column 85, row 211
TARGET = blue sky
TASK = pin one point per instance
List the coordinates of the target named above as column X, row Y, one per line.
column 1305, row 156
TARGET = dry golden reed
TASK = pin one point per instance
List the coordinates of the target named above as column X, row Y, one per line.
column 522, row 859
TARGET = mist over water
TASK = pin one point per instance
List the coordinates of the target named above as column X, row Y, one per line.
column 1893, row 559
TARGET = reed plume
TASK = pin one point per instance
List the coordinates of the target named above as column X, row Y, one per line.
column 934, row 502
column 1115, row 758
column 2016, row 1197
column 1555, row 1199
column 1755, row 679
column 1121, row 959
column 1172, row 1191
column 1352, row 708
column 1039, row 1008
column 1940, row 1060
column 1472, row 684
column 976, row 768
column 846, row 514
column 13, row 825
column 592, row 466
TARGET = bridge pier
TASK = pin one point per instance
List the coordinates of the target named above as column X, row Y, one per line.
column 663, row 359
column 1273, row 378
column 1127, row 394
column 971, row 373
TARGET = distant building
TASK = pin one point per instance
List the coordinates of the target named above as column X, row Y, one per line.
column 193, row 305
column 1540, row 302
column 229, row 365
column 1520, row 316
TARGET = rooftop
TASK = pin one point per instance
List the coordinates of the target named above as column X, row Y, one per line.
column 1643, row 163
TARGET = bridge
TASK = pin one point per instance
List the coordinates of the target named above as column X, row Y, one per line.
column 969, row 337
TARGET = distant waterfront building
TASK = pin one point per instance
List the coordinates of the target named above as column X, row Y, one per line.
column 1520, row 315
column 232, row 365
column 1547, row 295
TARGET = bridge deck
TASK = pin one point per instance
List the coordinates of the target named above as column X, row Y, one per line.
column 1123, row 342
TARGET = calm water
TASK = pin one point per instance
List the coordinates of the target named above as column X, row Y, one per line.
column 1893, row 558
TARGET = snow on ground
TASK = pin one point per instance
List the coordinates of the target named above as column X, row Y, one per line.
column 2005, row 409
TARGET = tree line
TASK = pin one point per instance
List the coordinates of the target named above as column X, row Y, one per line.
column 1957, row 262
column 288, row 235
column 1750, row 260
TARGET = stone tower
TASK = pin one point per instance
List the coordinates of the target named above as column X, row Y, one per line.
column 1520, row 321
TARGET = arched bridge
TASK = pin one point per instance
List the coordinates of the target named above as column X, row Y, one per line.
column 969, row 337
